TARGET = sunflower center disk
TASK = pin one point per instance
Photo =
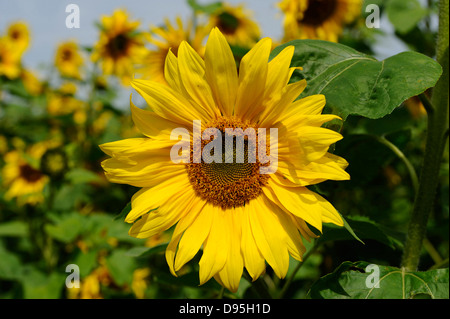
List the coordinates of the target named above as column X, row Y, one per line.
column 319, row 11
column 228, row 184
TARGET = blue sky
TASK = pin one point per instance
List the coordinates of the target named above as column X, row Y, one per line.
column 46, row 19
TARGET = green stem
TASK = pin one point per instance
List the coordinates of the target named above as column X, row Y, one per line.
column 409, row 166
column 297, row 268
column 437, row 128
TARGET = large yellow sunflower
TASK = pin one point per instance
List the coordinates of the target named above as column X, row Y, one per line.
column 236, row 24
column 240, row 214
column 317, row 19
column 169, row 37
column 120, row 47
column 68, row 60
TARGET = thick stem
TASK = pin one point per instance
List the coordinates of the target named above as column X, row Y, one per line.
column 437, row 128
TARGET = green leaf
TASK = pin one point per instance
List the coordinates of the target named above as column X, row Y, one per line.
column 124, row 212
column 66, row 228
column 38, row 285
column 121, row 267
column 362, row 280
column 355, row 83
column 146, row 251
column 405, row 14
column 80, row 176
column 359, row 228
column 10, row 264
column 205, row 8
column 14, row 229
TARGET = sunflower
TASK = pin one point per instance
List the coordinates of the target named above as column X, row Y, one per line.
column 120, row 47
column 19, row 35
column 318, row 19
column 31, row 83
column 62, row 101
column 240, row 213
column 9, row 59
column 236, row 24
column 68, row 60
column 22, row 176
column 169, row 37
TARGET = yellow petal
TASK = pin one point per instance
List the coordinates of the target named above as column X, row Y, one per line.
column 151, row 124
column 167, row 103
column 221, row 71
column 252, row 80
column 278, row 74
column 269, row 236
column 217, row 244
column 156, row 197
column 191, row 69
column 230, row 275
column 193, row 237
column 171, row 71
column 297, row 201
column 253, row 259
column 185, row 222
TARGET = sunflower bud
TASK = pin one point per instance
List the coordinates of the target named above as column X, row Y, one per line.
column 54, row 163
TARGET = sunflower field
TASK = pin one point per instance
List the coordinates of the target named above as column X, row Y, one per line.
column 118, row 179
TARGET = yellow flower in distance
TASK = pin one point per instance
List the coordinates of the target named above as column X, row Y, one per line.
column 317, row 19
column 9, row 59
column 165, row 38
column 68, row 60
column 120, row 46
column 22, row 176
column 239, row 215
column 19, row 35
column 236, row 24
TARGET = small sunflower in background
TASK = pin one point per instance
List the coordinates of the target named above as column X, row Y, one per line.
column 236, row 24
column 31, row 82
column 9, row 59
column 318, row 19
column 63, row 101
column 22, row 175
column 169, row 37
column 19, row 35
column 240, row 216
column 120, row 46
column 68, row 60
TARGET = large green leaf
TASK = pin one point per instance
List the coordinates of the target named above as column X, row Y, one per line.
column 355, row 83
column 405, row 14
column 361, row 280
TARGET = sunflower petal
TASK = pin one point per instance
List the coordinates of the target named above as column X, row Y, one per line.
column 221, row 71
column 191, row 68
column 252, row 80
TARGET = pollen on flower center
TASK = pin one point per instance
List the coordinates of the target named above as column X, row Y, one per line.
column 228, row 184
column 118, row 45
column 319, row 11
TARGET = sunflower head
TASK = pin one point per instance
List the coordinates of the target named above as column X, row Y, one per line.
column 19, row 34
column 120, row 46
column 68, row 60
column 22, row 176
column 318, row 19
column 236, row 25
column 248, row 149
column 9, row 59
column 169, row 37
